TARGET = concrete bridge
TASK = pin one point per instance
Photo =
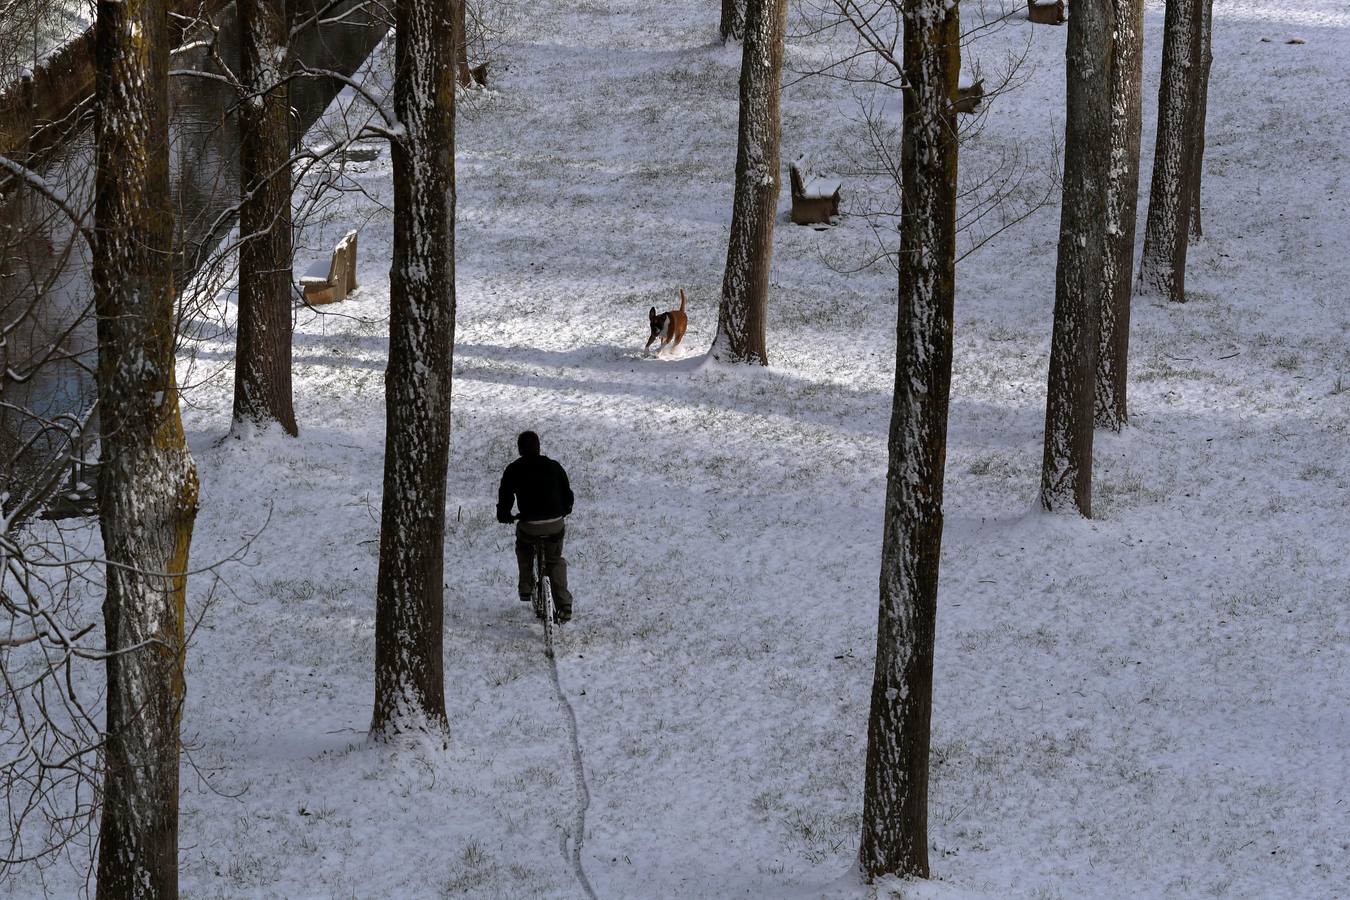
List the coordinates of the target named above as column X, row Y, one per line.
column 47, row 332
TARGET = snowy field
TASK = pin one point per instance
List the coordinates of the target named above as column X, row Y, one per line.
column 1154, row 703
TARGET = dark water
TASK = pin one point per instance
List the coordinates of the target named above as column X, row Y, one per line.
column 48, row 351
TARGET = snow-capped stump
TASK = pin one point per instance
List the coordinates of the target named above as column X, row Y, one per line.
column 814, row 200
column 968, row 94
column 333, row 281
column 1046, row 12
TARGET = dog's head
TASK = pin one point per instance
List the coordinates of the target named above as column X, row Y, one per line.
column 657, row 323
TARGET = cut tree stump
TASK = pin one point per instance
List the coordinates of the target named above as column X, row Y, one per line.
column 1046, row 12
column 814, row 200
column 332, row 281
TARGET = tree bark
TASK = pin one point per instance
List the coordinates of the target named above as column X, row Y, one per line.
column 462, row 43
column 895, row 798
column 733, row 20
column 742, row 314
column 1122, row 200
column 147, row 481
column 262, row 373
column 1066, row 469
column 1162, row 270
column 409, row 673
column 1206, row 60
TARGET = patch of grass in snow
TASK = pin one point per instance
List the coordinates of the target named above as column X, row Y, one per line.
column 1288, row 362
column 1247, row 603
column 1316, row 472
column 806, row 829
column 820, row 312
column 471, row 871
column 996, row 465
column 1160, row 367
column 544, row 776
column 818, row 836
column 473, row 524
column 1126, row 491
column 1004, row 334
column 243, row 867
column 297, row 590
column 506, row 670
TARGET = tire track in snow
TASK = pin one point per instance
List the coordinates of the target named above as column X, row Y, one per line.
column 579, row 776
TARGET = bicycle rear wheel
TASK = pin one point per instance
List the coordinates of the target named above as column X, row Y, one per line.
column 545, row 592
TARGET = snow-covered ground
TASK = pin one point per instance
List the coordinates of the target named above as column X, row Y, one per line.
column 1152, row 703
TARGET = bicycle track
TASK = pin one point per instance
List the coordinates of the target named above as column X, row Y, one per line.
column 579, row 775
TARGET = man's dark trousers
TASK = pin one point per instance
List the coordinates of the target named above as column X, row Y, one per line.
column 551, row 535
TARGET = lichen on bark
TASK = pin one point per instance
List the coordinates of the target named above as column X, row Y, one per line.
column 147, row 480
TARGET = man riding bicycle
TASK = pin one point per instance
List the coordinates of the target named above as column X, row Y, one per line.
column 538, row 487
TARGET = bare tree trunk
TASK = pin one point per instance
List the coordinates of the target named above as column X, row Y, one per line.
column 1206, row 60
column 895, row 798
column 262, row 373
column 1162, row 270
column 147, row 482
column 462, row 42
column 742, row 314
column 1066, row 469
column 1122, row 199
column 733, row 20
column 409, row 670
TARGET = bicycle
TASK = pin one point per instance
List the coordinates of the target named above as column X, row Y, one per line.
column 541, row 598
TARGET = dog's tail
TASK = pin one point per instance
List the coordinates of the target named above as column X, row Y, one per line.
column 681, row 299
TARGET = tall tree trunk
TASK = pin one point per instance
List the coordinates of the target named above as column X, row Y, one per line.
column 409, row 671
column 1066, row 469
column 262, row 373
column 733, row 20
column 462, row 42
column 895, row 798
column 741, row 317
column 1206, row 60
column 1162, row 270
column 147, row 481
column 1122, row 199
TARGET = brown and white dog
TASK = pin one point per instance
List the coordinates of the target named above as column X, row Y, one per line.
column 669, row 326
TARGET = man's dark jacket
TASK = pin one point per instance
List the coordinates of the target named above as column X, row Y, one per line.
column 538, row 485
